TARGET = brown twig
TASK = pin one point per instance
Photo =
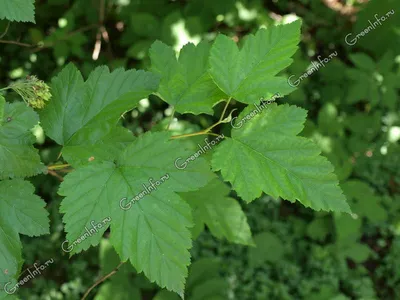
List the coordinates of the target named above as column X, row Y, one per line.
column 16, row 43
column 207, row 130
column 101, row 34
column 58, row 167
column 51, row 44
column 53, row 173
column 101, row 12
column 66, row 37
column 5, row 31
column 12, row 42
column 65, row 170
column 101, row 280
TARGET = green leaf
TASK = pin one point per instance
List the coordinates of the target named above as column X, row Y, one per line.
column 222, row 214
column 143, row 231
column 365, row 126
column 212, row 289
column 166, row 295
column 249, row 74
column 22, row 209
column 102, row 147
column 205, row 282
column 121, row 290
column 10, row 257
column 348, row 228
column 81, row 111
column 201, row 270
column 363, row 61
column 328, row 121
column 2, row 104
column 319, row 229
column 21, row 212
column 17, row 10
column 119, row 286
column 356, row 93
column 145, row 24
column 268, row 248
column 185, row 82
column 357, row 252
column 18, row 158
column 363, row 200
column 265, row 155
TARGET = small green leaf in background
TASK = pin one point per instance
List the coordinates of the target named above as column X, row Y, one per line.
column 204, row 282
column 319, row 228
column 347, row 227
column 222, row 214
column 17, row 10
column 328, row 120
column 357, row 252
column 268, row 248
column 145, row 24
column 363, row 61
column 363, row 201
column 119, row 286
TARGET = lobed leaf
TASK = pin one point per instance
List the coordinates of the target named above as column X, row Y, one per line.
column 249, row 74
column 185, row 82
column 18, row 158
column 82, row 112
column 265, row 155
column 21, row 212
column 17, row 10
column 143, row 231
column 222, row 214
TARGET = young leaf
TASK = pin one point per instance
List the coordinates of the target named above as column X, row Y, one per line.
column 363, row 200
column 363, row 61
column 205, row 281
column 80, row 111
column 222, row 214
column 21, row 212
column 18, row 158
column 249, row 74
column 185, row 82
column 268, row 248
column 151, row 232
column 265, row 155
column 17, row 10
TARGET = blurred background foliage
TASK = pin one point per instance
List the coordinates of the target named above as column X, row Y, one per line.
column 353, row 115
